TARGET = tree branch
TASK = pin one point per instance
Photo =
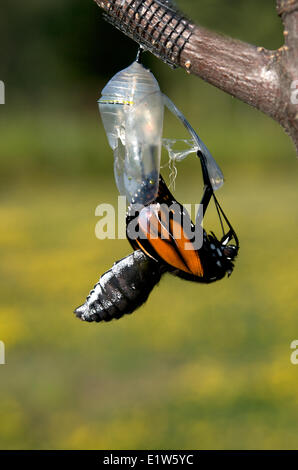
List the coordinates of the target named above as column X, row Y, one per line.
column 243, row 70
column 262, row 78
column 287, row 63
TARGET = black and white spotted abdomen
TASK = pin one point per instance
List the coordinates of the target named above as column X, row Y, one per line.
column 122, row 289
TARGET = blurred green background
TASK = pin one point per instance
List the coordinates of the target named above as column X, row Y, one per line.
column 196, row 367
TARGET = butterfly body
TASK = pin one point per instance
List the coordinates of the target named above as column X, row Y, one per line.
column 166, row 235
column 122, row 289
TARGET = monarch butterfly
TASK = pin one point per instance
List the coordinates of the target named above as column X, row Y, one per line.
column 211, row 262
column 128, row 284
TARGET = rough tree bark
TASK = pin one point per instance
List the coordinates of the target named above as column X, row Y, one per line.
column 265, row 79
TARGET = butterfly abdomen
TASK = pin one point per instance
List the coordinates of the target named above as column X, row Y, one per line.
column 122, row 289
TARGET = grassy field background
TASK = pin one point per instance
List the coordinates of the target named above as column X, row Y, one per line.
column 196, row 367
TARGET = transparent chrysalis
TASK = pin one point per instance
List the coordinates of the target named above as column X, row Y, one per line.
column 132, row 110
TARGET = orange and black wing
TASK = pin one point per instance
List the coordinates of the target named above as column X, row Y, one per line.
column 161, row 235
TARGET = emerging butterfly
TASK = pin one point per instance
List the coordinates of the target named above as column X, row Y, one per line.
column 164, row 232
column 126, row 286
column 160, row 231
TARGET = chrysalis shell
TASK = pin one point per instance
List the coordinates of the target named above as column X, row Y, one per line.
column 131, row 107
